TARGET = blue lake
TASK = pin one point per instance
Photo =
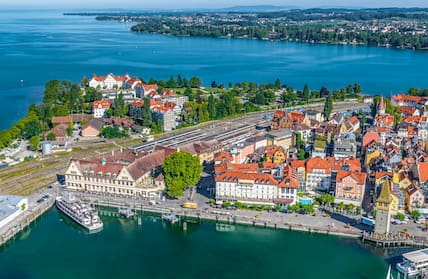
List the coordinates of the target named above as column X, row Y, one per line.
column 37, row 46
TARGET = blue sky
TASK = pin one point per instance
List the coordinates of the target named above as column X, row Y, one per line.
column 177, row 4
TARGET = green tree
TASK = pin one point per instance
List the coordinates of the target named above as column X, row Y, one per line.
column 195, row 82
column 277, row 85
column 51, row 136
column 32, row 128
column 328, row 106
column 147, row 114
column 120, row 106
column 341, row 206
column 34, row 143
column 400, row 216
column 171, row 83
column 415, row 214
column 357, row 88
column 52, row 92
column 211, row 107
column 306, row 93
column 181, row 170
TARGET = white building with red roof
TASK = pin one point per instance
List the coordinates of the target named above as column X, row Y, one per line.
column 100, row 107
column 108, row 82
column 258, row 188
column 318, row 174
column 142, row 90
column 125, row 174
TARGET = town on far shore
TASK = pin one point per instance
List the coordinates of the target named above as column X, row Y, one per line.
column 357, row 163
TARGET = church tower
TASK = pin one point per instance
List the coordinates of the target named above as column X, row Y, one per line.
column 383, row 210
column 381, row 107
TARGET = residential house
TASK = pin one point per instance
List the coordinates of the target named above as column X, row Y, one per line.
column 143, row 90
column 314, row 115
column 350, row 187
column 283, row 138
column 414, row 197
column 318, row 175
column 61, row 120
column 345, row 146
column 100, row 107
column 92, row 128
column 275, row 154
column 205, row 150
column 299, row 168
column 136, row 109
column 287, row 188
column 280, row 120
column 166, row 116
column 60, row 132
column 108, row 82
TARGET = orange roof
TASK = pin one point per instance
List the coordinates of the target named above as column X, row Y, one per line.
column 169, row 105
column 423, row 171
column 269, row 165
column 272, row 149
column 98, row 78
column 407, row 98
column 295, row 164
column 359, row 177
column 224, row 156
column 168, row 93
column 407, row 110
column 149, row 87
column 61, row 119
column 101, row 104
column 386, row 119
column 380, row 174
column 279, row 114
column 257, row 178
column 369, row 137
column 354, row 120
column 317, row 163
column 137, row 103
column 296, row 116
column 412, row 119
column 346, row 163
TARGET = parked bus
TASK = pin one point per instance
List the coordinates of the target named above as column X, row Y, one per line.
column 191, row 205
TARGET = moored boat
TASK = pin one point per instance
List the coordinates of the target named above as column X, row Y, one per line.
column 79, row 212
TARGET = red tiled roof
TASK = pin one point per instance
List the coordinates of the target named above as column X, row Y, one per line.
column 96, row 166
column 60, row 131
column 61, row 119
column 137, row 103
column 423, row 171
column 386, row 119
column 224, row 156
column 147, row 163
column 295, row 164
column 118, row 121
column 257, row 178
column 359, row 177
column 354, row 120
column 369, row 137
column 101, row 104
column 380, row 174
column 150, row 87
column 317, row 163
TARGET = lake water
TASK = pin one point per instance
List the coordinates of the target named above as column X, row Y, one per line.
column 57, row 248
column 37, row 46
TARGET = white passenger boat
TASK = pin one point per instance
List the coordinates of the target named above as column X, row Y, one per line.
column 414, row 263
column 80, row 212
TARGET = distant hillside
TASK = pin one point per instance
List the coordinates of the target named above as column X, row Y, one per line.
column 258, row 8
